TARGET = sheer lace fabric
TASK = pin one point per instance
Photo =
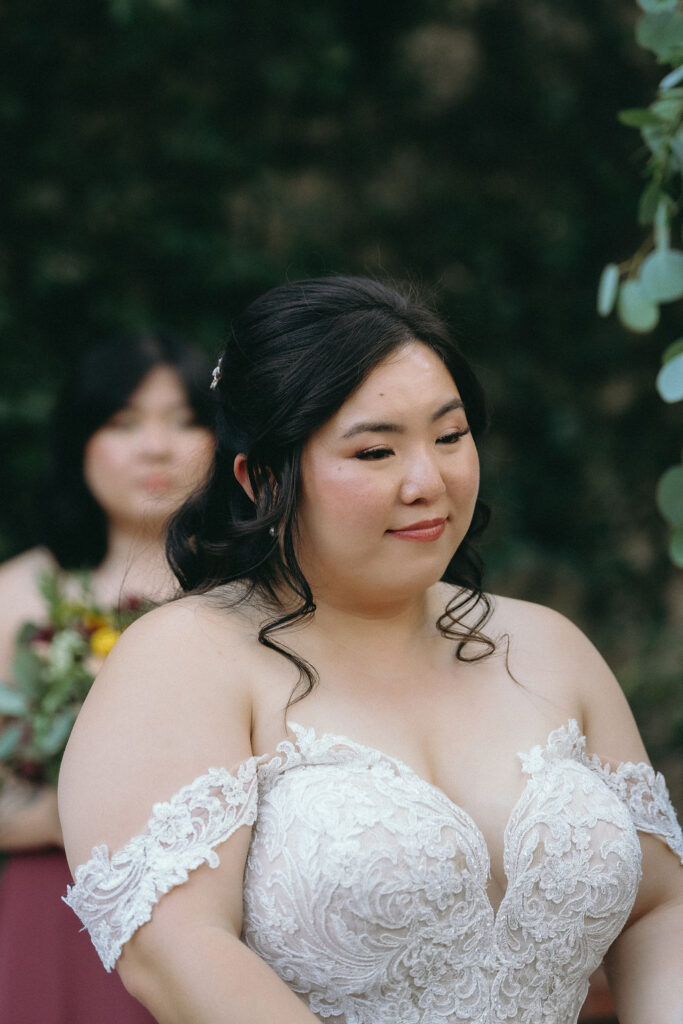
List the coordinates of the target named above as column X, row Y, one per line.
column 365, row 886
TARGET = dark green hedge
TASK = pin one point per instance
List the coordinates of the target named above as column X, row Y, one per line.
column 164, row 161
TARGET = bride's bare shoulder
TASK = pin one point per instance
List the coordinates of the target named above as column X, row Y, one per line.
column 183, row 666
column 202, row 628
column 512, row 618
column 524, row 618
column 544, row 649
column 173, row 698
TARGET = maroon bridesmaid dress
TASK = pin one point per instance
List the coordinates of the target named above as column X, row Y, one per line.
column 49, row 970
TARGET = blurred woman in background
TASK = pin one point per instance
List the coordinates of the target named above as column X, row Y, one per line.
column 132, row 437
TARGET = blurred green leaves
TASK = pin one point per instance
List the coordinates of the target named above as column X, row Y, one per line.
column 670, row 380
column 661, row 30
column 637, row 310
column 670, row 502
column 654, row 275
column 661, row 276
column 670, row 495
column 658, row 5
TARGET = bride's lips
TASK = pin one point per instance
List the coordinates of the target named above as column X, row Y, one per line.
column 425, row 530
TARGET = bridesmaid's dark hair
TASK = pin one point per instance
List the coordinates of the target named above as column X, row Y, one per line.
column 291, row 360
column 74, row 526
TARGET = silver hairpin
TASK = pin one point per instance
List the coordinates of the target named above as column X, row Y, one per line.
column 271, row 531
column 216, row 374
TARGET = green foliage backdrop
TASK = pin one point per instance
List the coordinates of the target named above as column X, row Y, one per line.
column 164, row 161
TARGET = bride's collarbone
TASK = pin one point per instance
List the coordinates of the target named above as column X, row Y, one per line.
column 459, row 725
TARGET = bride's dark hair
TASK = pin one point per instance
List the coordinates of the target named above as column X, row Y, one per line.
column 292, row 359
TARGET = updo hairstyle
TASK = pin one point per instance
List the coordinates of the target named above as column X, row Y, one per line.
column 291, row 361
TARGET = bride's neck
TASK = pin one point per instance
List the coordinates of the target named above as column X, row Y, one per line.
column 391, row 627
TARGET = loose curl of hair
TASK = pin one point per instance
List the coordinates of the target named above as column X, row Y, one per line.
column 291, row 360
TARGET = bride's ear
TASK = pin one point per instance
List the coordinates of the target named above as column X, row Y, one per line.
column 241, row 472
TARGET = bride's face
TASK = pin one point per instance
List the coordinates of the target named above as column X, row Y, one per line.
column 144, row 461
column 388, row 484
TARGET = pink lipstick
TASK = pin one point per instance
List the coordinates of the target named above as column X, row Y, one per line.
column 425, row 530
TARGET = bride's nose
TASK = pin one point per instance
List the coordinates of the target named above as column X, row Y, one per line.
column 422, row 479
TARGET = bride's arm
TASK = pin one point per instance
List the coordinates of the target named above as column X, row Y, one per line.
column 169, row 704
column 189, row 966
column 644, row 964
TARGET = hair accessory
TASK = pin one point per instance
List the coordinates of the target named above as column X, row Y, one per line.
column 271, row 531
column 216, row 374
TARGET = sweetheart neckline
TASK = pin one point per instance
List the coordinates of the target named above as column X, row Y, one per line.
column 570, row 730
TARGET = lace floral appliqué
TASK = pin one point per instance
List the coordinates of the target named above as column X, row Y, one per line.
column 365, row 886
column 115, row 896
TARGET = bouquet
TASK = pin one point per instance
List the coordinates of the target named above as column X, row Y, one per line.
column 54, row 667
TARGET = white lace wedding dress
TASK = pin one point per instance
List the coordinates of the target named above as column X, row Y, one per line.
column 366, row 887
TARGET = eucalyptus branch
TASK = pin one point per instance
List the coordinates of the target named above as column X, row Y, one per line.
column 653, row 276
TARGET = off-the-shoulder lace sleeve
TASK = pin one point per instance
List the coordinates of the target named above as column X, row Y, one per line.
column 639, row 787
column 644, row 792
column 114, row 896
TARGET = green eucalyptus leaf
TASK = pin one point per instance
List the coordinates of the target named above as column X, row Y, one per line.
column 673, row 78
column 27, row 671
column 670, row 379
column 50, row 769
column 668, row 105
column 50, row 587
column 662, row 32
column 608, row 289
column 661, row 275
column 658, row 5
column 649, row 202
column 672, row 350
column 669, row 495
column 10, row 738
column 657, row 138
column 26, row 633
column 12, row 702
column 662, row 225
column 638, row 117
column 636, row 309
column 676, row 547
column 61, row 693
column 667, row 112
column 676, row 146
column 56, row 736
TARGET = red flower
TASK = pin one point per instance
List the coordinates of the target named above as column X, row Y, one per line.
column 43, row 635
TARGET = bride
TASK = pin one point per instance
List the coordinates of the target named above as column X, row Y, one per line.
column 359, row 788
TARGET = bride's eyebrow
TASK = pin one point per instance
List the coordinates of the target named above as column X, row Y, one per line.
column 380, row 427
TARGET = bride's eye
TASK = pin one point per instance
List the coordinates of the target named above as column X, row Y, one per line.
column 452, row 437
column 373, row 454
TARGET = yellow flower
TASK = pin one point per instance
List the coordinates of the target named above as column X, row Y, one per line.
column 92, row 620
column 103, row 639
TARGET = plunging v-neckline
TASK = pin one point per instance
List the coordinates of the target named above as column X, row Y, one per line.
column 570, row 730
